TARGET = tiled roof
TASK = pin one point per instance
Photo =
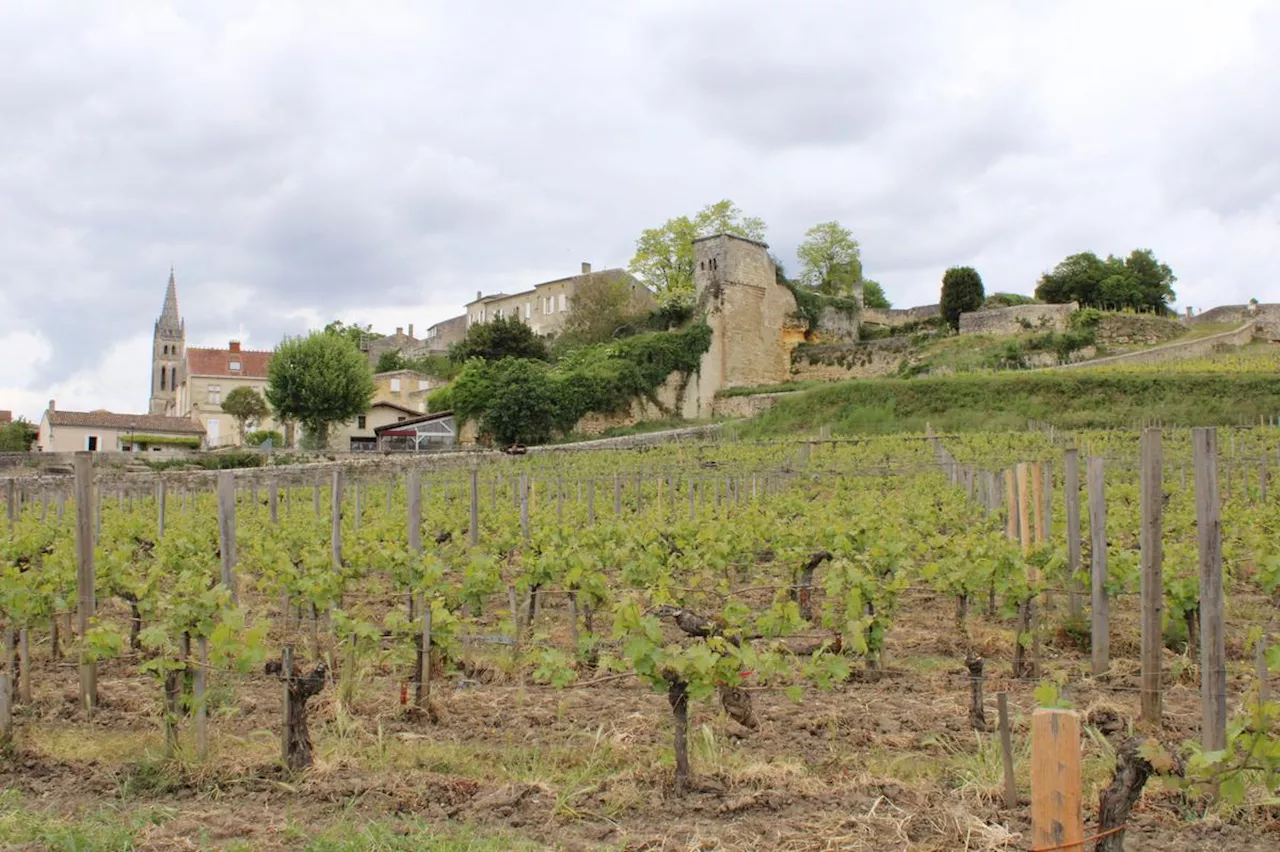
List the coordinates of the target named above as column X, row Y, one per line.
column 217, row 362
column 147, row 423
column 401, row 408
column 413, row 421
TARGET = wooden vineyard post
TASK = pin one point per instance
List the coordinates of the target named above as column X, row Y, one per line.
column 422, row 693
column 86, row 602
column 1038, row 525
column 617, row 495
column 1006, row 751
column 591, row 502
column 1213, row 669
column 1152, row 589
column 286, row 676
column 357, row 498
column 413, row 501
column 335, row 518
column 524, row 505
column 6, row 711
column 200, row 692
column 1071, row 495
column 473, row 530
column 273, row 501
column 693, row 500
column 1260, row 668
column 315, row 499
column 1100, row 633
column 24, row 665
column 227, row 528
column 1025, row 531
column 160, row 508
column 559, row 501
column 11, row 503
column 1011, row 505
column 1057, row 820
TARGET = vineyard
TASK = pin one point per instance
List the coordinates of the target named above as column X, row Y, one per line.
column 817, row 643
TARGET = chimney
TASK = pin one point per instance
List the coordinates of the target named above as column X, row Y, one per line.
column 234, row 346
column 399, row 331
column 478, row 296
column 411, row 329
column 53, row 405
column 586, row 268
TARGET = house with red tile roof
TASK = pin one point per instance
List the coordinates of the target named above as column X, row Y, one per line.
column 108, row 431
column 206, row 376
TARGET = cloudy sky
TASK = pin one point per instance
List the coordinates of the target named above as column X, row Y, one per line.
column 382, row 161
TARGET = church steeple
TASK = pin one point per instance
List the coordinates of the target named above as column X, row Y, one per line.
column 168, row 351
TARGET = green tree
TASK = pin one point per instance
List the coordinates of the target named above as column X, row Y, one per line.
column 829, row 260
column 319, row 380
column 505, row 337
column 390, row 361
column 664, row 255
column 873, row 295
column 17, row 436
column 511, row 400
column 247, row 406
column 1139, row 281
column 603, row 307
column 357, row 334
column 961, row 291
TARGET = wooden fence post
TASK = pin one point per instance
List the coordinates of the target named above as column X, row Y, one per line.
column 335, row 519
column 1071, row 495
column 1152, row 588
column 1100, row 633
column 1006, row 751
column 286, row 677
column 200, row 693
column 6, row 710
column 1213, row 669
column 1057, row 820
column 591, row 502
column 273, row 501
column 160, row 507
column 473, row 531
column 227, row 528
column 85, row 597
column 524, row 505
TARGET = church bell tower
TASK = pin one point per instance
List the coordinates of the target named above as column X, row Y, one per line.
column 168, row 348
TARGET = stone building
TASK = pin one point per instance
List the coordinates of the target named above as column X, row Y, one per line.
column 545, row 306
column 168, row 345
column 205, row 379
column 358, row 434
column 406, row 388
column 444, row 334
column 106, row 431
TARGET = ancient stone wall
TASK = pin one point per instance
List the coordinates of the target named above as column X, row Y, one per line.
column 868, row 360
column 1137, row 329
column 837, row 326
column 747, row 406
column 1018, row 319
column 1176, row 351
column 894, row 317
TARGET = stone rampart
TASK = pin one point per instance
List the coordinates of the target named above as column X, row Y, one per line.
column 1174, row 351
column 1018, row 319
column 1137, row 329
column 832, row 362
column 894, row 317
column 748, row 406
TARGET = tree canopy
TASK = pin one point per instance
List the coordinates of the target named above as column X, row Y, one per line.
column 504, row 337
column 829, row 260
column 1139, row 281
column 961, row 291
column 319, row 380
column 602, row 307
column 247, row 406
column 356, row 333
column 664, row 255
column 17, row 436
column 873, row 295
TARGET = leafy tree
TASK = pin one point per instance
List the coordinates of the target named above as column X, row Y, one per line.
column 504, row 337
column 961, row 291
column 664, row 255
column 390, row 361
column 319, row 380
column 435, row 365
column 258, row 437
column 512, row 400
column 359, row 335
column 247, row 406
column 17, row 436
column 873, row 295
column 1139, row 281
column 1007, row 300
column 829, row 260
column 602, row 308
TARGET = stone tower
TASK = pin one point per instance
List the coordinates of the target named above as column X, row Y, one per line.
column 168, row 346
column 738, row 291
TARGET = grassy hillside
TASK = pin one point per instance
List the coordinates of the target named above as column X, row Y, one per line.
column 1076, row 399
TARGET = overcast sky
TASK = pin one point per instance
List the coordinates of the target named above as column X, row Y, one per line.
column 382, row 161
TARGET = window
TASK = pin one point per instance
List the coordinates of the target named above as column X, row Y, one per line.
column 162, row 378
column 91, row 443
column 395, row 386
column 528, row 310
column 215, row 394
column 212, row 430
column 564, row 303
column 235, row 366
column 360, row 421
column 422, row 384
